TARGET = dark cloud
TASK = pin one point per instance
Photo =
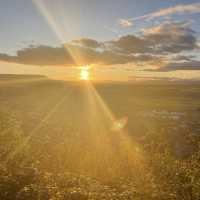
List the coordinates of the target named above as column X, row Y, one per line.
column 183, row 58
column 40, row 55
column 154, row 45
column 171, row 37
column 190, row 65
column 111, row 57
column 73, row 55
column 167, row 38
column 86, row 42
column 131, row 44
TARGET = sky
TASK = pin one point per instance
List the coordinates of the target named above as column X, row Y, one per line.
column 118, row 39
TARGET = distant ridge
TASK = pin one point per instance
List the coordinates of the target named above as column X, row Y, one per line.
column 21, row 76
column 161, row 79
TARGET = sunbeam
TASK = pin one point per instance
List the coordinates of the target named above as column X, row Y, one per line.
column 37, row 127
column 62, row 36
column 99, row 100
column 103, row 135
column 106, row 143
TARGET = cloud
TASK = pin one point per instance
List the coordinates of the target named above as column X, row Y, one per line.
column 171, row 37
column 176, row 28
column 183, row 58
column 62, row 56
column 87, row 42
column 178, row 9
column 40, row 55
column 155, row 45
column 125, row 23
column 166, row 38
column 65, row 55
column 130, row 44
column 187, row 65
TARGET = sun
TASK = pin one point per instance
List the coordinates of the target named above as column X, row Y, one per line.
column 85, row 74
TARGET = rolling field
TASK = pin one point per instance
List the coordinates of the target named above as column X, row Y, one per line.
column 77, row 140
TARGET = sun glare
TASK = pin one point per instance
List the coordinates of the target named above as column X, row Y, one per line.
column 84, row 74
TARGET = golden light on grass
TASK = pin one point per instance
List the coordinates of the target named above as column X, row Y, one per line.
column 104, row 148
column 108, row 139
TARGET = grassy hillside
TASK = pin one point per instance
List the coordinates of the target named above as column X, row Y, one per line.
column 77, row 141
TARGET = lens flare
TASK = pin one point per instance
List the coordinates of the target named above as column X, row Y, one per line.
column 118, row 125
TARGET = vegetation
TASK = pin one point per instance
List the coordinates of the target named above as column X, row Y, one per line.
column 50, row 150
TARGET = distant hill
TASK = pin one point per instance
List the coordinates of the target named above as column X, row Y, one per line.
column 21, row 76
